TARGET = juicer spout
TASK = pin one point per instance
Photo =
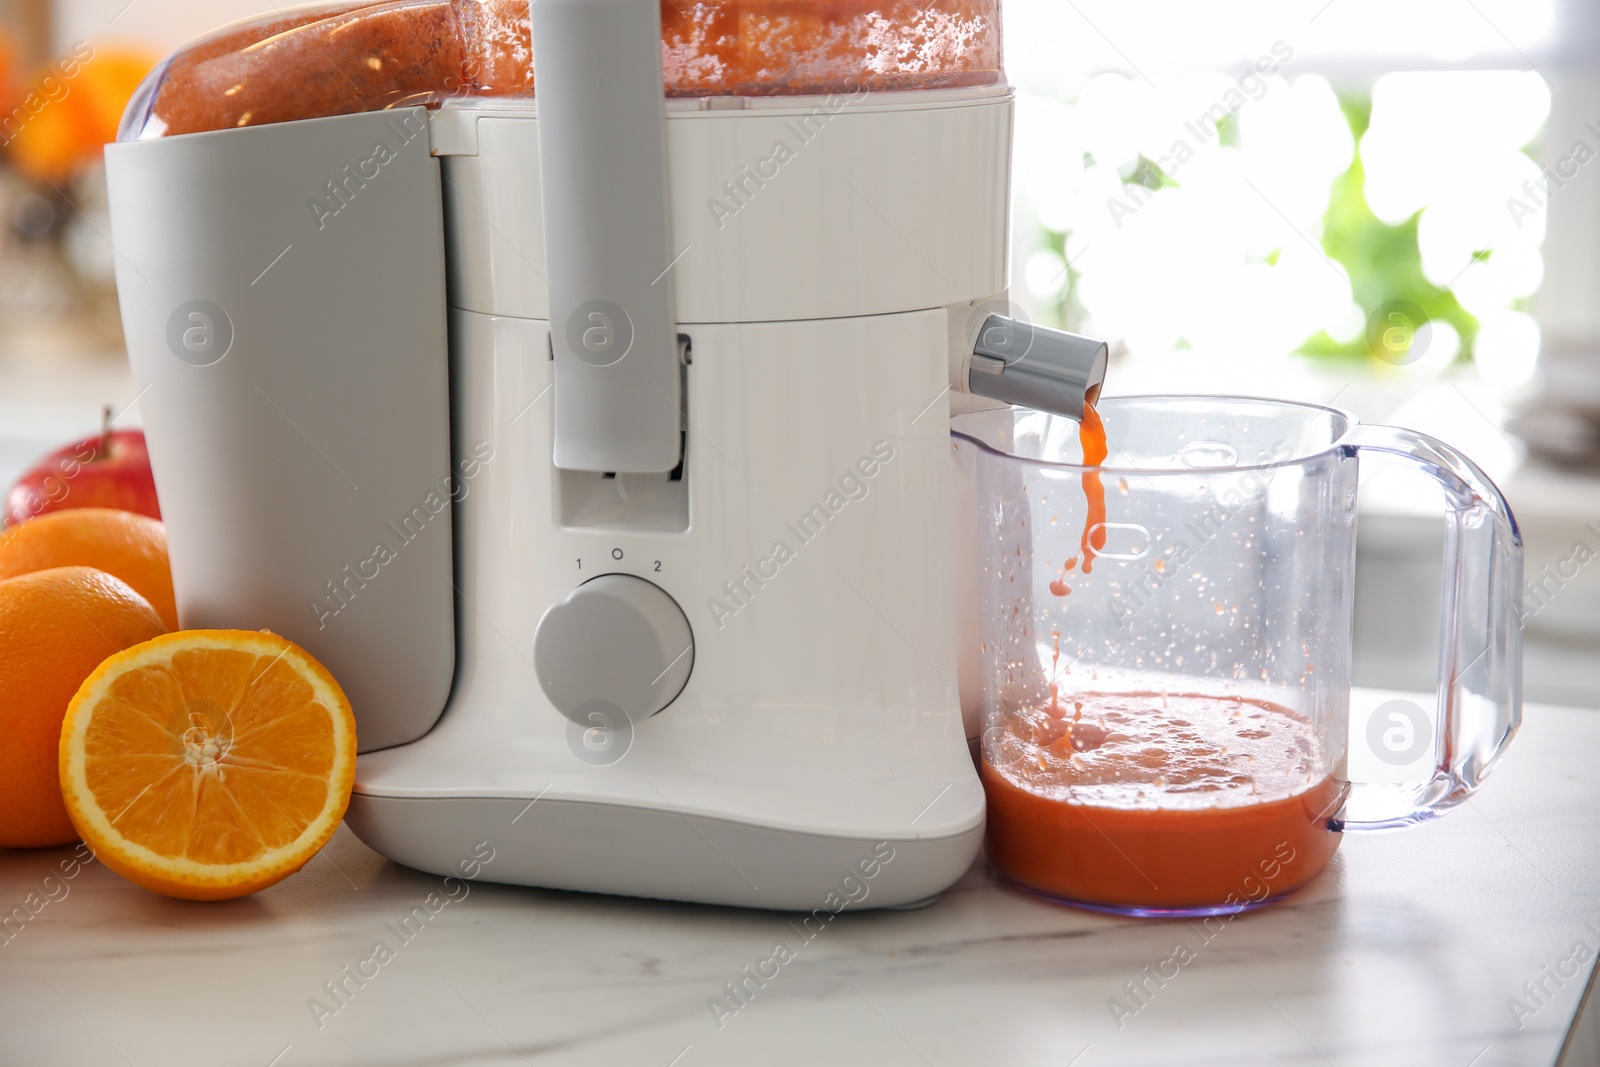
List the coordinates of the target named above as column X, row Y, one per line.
column 1033, row 366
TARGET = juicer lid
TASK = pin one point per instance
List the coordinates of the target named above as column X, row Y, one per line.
column 341, row 58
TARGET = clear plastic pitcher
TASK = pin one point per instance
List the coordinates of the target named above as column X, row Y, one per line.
column 1166, row 683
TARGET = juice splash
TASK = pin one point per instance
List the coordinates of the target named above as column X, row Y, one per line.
column 1153, row 801
column 1092, row 440
column 1055, row 670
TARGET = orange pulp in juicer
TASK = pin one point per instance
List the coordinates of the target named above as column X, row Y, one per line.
column 1155, row 801
column 362, row 55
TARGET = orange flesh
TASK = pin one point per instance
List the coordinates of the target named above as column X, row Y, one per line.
column 1159, row 801
column 219, row 757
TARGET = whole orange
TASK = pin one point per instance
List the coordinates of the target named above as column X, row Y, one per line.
column 132, row 547
column 72, row 109
column 56, row 626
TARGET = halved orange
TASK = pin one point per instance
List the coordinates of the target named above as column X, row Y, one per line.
column 208, row 764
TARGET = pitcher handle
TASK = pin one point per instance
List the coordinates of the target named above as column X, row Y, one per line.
column 1480, row 646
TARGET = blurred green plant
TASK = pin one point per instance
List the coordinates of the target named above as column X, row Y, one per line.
column 1384, row 262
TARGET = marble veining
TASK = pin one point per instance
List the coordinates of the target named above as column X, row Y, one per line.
column 1413, row 948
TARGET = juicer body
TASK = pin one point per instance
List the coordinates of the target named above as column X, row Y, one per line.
column 292, row 375
column 367, row 468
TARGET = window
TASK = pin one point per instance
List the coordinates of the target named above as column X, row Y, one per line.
column 1342, row 182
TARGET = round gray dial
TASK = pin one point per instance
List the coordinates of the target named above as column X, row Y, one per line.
column 616, row 639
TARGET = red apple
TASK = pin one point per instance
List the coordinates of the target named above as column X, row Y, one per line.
column 109, row 470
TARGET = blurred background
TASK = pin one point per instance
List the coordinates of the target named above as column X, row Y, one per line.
column 1393, row 208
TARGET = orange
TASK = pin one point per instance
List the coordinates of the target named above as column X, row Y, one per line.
column 132, row 547
column 208, row 764
column 72, row 109
column 56, row 626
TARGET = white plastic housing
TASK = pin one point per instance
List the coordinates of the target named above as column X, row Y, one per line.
column 807, row 536
column 884, row 202
column 603, row 167
column 282, row 293
column 821, row 716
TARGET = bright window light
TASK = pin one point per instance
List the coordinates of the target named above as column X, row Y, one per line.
column 1225, row 212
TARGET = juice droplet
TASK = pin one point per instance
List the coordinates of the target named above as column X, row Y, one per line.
column 1217, row 607
column 1122, row 486
column 1160, row 565
column 1060, row 587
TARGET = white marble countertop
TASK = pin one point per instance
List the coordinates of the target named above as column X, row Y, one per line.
column 1408, row 950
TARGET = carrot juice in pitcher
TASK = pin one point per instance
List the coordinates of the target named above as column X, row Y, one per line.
column 1159, row 801
column 1160, row 737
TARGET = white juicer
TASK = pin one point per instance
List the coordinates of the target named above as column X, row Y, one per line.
column 598, row 443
